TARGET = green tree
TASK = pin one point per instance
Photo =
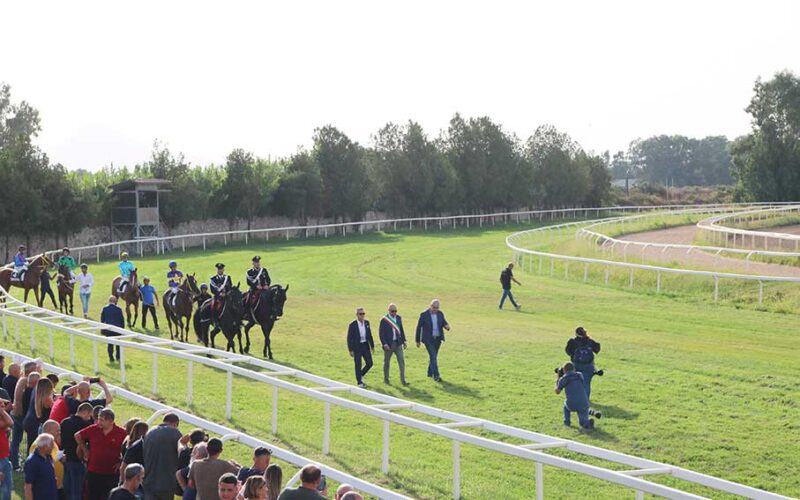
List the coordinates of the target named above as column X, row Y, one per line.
column 561, row 170
column 299, row 192
column 345, row 184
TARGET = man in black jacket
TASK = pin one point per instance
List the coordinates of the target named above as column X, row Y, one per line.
column 581, row 350
column 506, row 277
column 393, row 340
column 430, row 331
column 360, row 345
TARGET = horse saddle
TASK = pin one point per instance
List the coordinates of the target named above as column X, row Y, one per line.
column 18, row 275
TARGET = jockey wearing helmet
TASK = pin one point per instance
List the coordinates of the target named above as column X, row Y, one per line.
column 204, row 295
column 174, row 278
column 125, row 268
column 257, row 278
column 20, row 263
column 67, row 261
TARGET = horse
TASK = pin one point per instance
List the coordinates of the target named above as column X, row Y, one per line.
column 230, row 321
column 182, row 309
column 65, row 290
column 267, row 310
column 31, row 279
column 130, row 296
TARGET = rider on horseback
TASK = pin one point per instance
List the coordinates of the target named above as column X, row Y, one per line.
column 258, row 279
column 125, row 268
column 174, row 278
column 67, row 261
column 20, row 263
column 204, row 295
column 220, row 285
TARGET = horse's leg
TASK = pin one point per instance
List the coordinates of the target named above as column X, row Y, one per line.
column 136, row 312
column 247, row 328
column 213, row 334
column 267, row 341
column 239, row 335
column 71, row 306
column 36, row 293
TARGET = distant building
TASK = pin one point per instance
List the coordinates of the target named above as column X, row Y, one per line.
column 135, row 208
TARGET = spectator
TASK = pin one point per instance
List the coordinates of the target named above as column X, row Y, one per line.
column 51, row 427
column 112, row 315
column 40, row 476
column 21, row 398
column 576, row 399
column 149, row 303
column 74, row 469
column 261, row 457
column 506, row 277
column 134, row 453
column 204, row 474
column 199, row 452
column 352, row 495
column 360, row 344
column 132, row 478
column 83, row 391
column 2, row 369
column 274, row 477
column 10, row 380
column 39, row 411
column 6, row 423
column 342, row 490
column 104, row 440
column 581, row 350
column 393, row 339
column 196, row 436
column 161, row 459
column 60, row 410
column 227, row 486
column 129, row 439
column 96, row 415
column 430, row 331
column 85, row 284
column 255, row 488
column 310, row 477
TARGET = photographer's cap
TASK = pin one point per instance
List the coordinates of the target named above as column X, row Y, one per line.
column 580, row 331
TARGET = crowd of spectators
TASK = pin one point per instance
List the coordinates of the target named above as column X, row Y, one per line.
column 77, row 451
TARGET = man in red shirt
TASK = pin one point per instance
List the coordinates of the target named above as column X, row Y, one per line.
column 103, row 454
column 6, row 423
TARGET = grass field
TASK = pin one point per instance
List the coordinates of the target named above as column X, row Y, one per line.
column 711, row 388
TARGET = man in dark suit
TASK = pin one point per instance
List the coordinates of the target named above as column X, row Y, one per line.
column 112, row 315
column 430, row 331
column 393, row 340
column 360, row 345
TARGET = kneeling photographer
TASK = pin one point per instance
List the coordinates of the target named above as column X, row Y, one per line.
column 581, row 350
column 571, row 382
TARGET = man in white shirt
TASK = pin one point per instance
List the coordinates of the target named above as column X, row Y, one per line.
column 85, row 282
column 360, row 345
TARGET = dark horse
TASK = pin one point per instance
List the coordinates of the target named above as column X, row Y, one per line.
column 66, row 290
column 30, row 280
column 266, row 311
column 230, row 321
column 130, row 296
column 182, row 308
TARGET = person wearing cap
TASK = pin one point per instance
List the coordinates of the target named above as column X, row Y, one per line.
column 204, row 295
column 258, row 279
column 125, row 268
column 67, row 261
column 581, row 349
column 20, row 263
column 174, row 278
column 149, row 301
column 220, row 285
column 85, row 283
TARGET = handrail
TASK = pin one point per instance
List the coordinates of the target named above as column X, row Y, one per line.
column 277, row 451
column 193, row 355
column 712, row 225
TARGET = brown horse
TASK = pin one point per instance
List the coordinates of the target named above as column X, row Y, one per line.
column 31, row 279
column 183, row 308
column 131, row 296
column 66, row 290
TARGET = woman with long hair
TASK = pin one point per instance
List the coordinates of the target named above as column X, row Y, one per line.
column 128, row 430
column 39, row 409
column 274, row 478
column 255, row 488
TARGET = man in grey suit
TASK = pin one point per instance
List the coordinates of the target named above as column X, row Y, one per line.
column 430, row 331
column 393, row 340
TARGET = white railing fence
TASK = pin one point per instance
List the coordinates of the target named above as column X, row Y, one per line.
column 749, row 238
column 16, row 313
column 225, row 433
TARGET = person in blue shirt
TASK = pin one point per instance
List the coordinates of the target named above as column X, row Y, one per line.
column 40, row 474
column 20, row 263
column 125, row 268
column 571, row 382
column 174, row 279
column 581, row 350
column 149, row 302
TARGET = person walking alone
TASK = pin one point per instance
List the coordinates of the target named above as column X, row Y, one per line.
column 506, row 277
column 85, row 283
column 361, row 345
column 393, row 340
column 112, row 315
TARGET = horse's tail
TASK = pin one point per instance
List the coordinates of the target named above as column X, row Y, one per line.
column 199, row 330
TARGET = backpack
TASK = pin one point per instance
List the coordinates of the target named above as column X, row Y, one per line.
column 584, row 354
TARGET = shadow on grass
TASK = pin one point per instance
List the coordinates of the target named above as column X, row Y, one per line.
column 460, row 389
column 611, row 411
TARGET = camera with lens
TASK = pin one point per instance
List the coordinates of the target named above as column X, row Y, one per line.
column 559, row 371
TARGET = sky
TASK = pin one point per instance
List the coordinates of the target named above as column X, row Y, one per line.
column 110, row 78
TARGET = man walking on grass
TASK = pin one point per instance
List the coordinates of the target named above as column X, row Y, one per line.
column 506, row 277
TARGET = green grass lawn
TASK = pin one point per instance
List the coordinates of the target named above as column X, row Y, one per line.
column 711, row 388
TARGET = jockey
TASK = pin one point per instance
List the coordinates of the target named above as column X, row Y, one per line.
column 125, row 268
column 220, row 285
column 174, row 278
column 258, row 279
column 20, row 263
column 204, row 295
column 67, row 261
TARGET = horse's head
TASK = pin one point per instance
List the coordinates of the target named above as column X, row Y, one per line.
column 42, row 261
column 278, row 299
column 234, row 300
column 63, row 270
column 191, row 282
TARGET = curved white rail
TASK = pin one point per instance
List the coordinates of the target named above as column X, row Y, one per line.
column 453, row 429
column 721, row 233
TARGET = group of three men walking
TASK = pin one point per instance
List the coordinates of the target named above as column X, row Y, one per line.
column 430, row 331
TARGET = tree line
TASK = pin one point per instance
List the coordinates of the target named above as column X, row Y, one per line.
column 474, row 165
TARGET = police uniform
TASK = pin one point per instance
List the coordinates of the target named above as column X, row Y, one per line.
column 258, row 277
column 220, row 283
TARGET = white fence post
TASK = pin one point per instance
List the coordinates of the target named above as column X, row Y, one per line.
column 96, row 363
column 274, row 409
column 658, row 282
column 539, row 481
column 154, row 387
column 760, row 292
column 229, row 395
column 49, row 341
column 71, row 351
column 326, row 430
column 189, row 381
column 33, row 339
column 385, row 458
column 16, row 330
column 122, row 376
column 716, row 288
column 456, row 470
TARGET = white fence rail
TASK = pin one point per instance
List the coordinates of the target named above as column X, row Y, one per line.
column 225, row 433
column 16, row 313
column 729, row 235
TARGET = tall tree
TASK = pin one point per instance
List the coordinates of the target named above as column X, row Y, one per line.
column 345, row 184
column 560, row 168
